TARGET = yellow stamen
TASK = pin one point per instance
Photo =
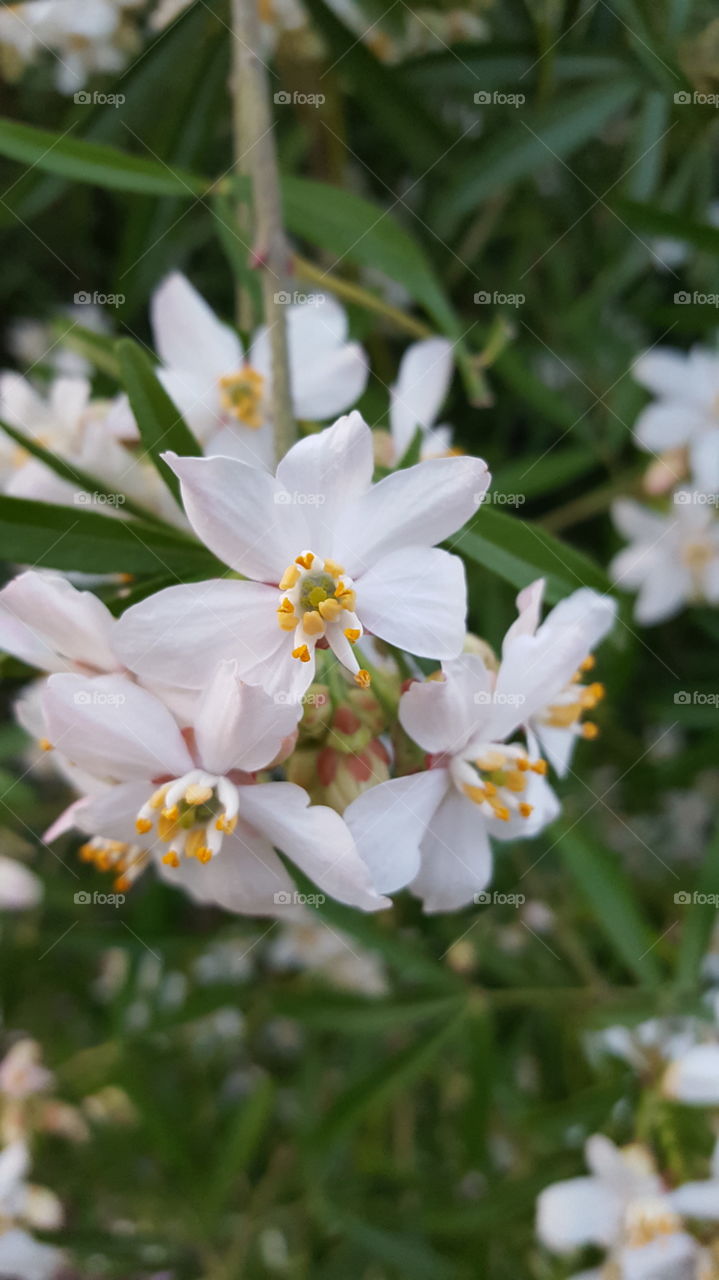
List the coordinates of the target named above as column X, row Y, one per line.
column 526, row 809
column 347, row 597
column 171, row 859
column 226, row 824
column 538, row 766
column 45, row 744
column 475, row 794
column 333, row 568
column 289, row 578
column 204, row 854
column 171, row 815
column 500, row 811
column 197, row 794
column 165, row 827
column 306, row 560
column 588, row 664
column 590, row 730
column 515, row 780
column 363, row 679
column 121, row 884
column 301, row 652
column 312, row 624
column 352, row 634
column 286, row 606
column 241, row 395
column 330, row 609
column 143, row 825
column 287, row 621
column 158, row 799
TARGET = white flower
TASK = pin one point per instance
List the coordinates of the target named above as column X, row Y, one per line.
column 21, row 1256
column 693, row 1076
column 275, row 17
column 686, row 411
column 672, row 559
column 88, row 37
column 191, row 800
column 82, row 432
column 20, row 888
column 338, row 959
column 416, row 398
column 578, row 623
column 49, row 624
column 225, row 395
column 330, row 554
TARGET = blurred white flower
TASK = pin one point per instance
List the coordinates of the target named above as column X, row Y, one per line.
column 672, row 559
column 224, row 394
column 308, row 944
column 23, row 1205
column 685, row 413
column 416, row 398
column 20, row 888
column 86, row 38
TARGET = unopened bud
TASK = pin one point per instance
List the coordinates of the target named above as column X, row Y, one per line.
column 344, row 777
column 317, row 712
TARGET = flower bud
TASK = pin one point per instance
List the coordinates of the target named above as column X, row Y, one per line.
column 343, row 777
column 317, row 712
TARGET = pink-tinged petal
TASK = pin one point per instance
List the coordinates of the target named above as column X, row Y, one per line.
column 178, row 636
column 668, row 424
column 425, row 373
column 314, row 837
column 20, row 888
column 242, row 514
column 196, row 400
column 442, row 715
column 325, row 473
column 321, row 391
column 456, row 856
column 417, row 507
column 578, row 1212
column 545, row 808
column 416, row 598
column 187, row 333
column 246, row 876
column 112, row 812
column 529, row 611
column 113, row 728
column 239, row 726
column 389, row 822
column 45, row 621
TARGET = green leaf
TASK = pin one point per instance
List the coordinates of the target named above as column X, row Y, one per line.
column 82, row 481
column 238, row 1147
column 159, row 421
column 675, row 226
column 532, row 477
column 42, row 534
column 602, row 883
column 103, row 166
column 356, row 1015
column 535, row 141
column 699, row 919
column 520, row 551
column 383, row 1083
column 97, row 348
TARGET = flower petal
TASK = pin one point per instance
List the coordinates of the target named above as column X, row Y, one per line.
column 45, row 621
column 242, row 514
column 315, row 837
column 442, row 715
column 239, row 726
column 20, row 888
column 694, row 1077
column 456, row 856
column 416, row 507
column 112, row 812
column 668, row 424
column 187, row 334
column 416, row 598
column 425, row 373
column 246, row 876
column 113, row 728
column 322, row 391
column 326, row 472
column 389, row 821
column 577, row 1212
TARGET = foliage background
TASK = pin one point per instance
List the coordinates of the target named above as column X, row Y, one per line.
column 311, row 1132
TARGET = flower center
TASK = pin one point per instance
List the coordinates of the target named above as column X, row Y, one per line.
column 572, row 702
column 317, row 602
column 192, row 814
column 496, row 780
column 241, row 394
column 125, row 861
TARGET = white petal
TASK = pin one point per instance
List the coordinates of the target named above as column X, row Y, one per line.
column 20, row 888
column 456, row 856
column 697, row 1200
column 694, row 1077
column 197, row 402
column 326, row 472
column 667, row 425
column 23, row 1256
column 188, row 336
column 529, row 611
column 416, row 598
column 669, row 1257
column 256, row 447
column 417, row 507
column 178, row 636
column 665, row 371
column 635, row 521
column 325, row 389
column 246, row 876
column 314, row 837
column 388, row 823
column 704, row 457
column 239, row 726
column 425, row 373
column 242, row 514
column 45, row 621
column 442, row 715
column 664, row 592
column 114, row 729
column 112, row 812
column 577, row 1212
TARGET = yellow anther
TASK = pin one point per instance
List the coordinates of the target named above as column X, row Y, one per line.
column 526, row 809
column 539, row 766
column 490, row 788
column 86, row 853
column 597, row 691
column 289, row 578
column 301, row 652
column 347, row 597
column 171, row 859
column 121, row 884
column 166, row 827
column 143, row 825
column 363, row 679
column 287, row 621
column 353, row 634
column 204, row 854
column 171, row 815
column 523, row 764
column 330, row 609
column 158, row 799
column 194, row 842
column 500, row 811
column 226, row 824
column 515, row 780
column 312, row 623
column 306, row 560
column 45, row 744
column 332, row 567
column 590, row 730
column 241, row 395
column 588, row 664
column 286, row 606
column 197, row 794
column 476, row 794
